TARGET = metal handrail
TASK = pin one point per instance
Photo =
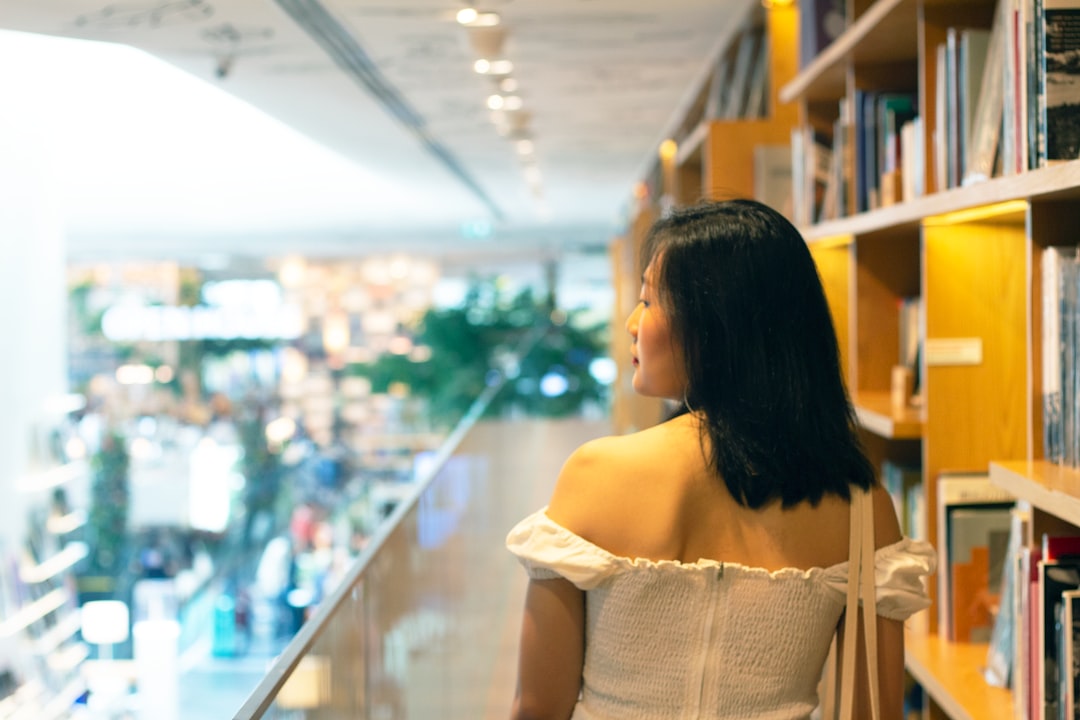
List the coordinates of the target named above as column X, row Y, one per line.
column 265, row 693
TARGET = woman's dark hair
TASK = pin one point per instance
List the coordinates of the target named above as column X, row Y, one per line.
column 746, row 304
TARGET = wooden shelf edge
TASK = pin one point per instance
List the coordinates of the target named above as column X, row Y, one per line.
column 1047, row 486
column 1056, row 181
column 875, row 415
column 951, row 674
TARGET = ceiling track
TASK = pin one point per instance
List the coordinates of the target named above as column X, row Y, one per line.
column 347, row 53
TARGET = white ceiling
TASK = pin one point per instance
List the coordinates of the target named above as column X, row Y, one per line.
column 155, row 163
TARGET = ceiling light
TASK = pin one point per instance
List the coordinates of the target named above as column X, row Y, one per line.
column 513, row 102
column 493, row 67
column 471, row 17
column 486, row 19
column 508, row 85
column 496, row 102
column 668, row 149
column 524, row 147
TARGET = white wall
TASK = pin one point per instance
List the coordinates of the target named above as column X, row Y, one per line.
column 32, row 307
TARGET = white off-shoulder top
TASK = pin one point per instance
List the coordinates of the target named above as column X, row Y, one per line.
column 710, row 639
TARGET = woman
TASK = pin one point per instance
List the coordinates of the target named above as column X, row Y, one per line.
column 698, row 568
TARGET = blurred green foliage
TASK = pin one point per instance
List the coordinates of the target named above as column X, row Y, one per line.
column 471, row 342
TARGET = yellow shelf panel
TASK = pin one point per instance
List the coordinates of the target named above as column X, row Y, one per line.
column 1049, row 487
column 876, row 414
column 951, row 674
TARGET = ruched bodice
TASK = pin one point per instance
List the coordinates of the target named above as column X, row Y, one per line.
column 710, row 639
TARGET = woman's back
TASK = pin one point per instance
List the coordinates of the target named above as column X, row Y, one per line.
column 694, row 603
column 652, row 495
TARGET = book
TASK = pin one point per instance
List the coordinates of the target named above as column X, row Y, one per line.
column 963, row 491
column 735, row 104
column 820, row 22
column 978, row 538
column 718, row 84
column 893, row 110
column 940, row 136
column 1055, row 577
column 1027, row 689
column 757, row 94
column 986, row 119
column 903, row 482
column 974, row 46
column 1001, row 661
column 952, row 108
column 1058, row 68
column 1050, row 268
column 773, row 178
column 866, row 197
column 1069, row 664
column 913, row 160
column 1069, row 372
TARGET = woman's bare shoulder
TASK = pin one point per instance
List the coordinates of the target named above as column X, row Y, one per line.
column 606, row 476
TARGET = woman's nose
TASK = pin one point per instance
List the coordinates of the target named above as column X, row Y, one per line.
column 632, row 320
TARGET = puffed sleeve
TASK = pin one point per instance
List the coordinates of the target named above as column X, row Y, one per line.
column 900, row 571
column 547, row 550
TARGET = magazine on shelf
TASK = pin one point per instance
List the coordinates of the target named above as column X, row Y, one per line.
column 987, row 527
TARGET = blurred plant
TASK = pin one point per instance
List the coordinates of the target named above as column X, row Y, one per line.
column 468, row 343
column 109, row 501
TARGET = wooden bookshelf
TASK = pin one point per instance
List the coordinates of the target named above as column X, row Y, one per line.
column 951, row 675
column 884, row 33
column 970, row 254
column 876, row 414
column 1053, row 488
column 1057, row 182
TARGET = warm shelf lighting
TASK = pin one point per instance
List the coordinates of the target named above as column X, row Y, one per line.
column 668, row 149
column 833, row 241
column 983, row 212
column 467, row 16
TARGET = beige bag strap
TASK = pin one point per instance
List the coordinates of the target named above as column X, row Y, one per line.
column 860, row 584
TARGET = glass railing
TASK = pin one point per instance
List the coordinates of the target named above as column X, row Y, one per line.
column 419, row 625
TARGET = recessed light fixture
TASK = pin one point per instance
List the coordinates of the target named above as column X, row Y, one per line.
column 471, row 17
column 496, row 102
column 493, row 67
